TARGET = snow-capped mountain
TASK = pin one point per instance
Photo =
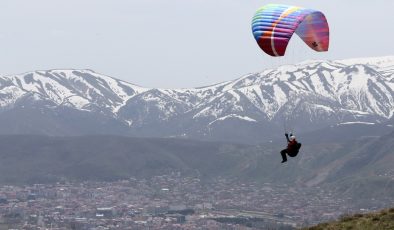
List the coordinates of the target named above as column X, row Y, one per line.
column 304, row 97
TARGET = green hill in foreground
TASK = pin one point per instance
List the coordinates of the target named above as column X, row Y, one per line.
column 377, row 220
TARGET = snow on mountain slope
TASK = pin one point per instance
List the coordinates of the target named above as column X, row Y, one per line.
column 325, row 86
column 74, row 88
column 312, row 94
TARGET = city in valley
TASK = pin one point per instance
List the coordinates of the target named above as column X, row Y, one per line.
column 170, row 202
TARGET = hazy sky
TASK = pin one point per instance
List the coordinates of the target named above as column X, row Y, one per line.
column 174, row 43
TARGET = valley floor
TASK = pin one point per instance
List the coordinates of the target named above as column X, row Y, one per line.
column 171, row 202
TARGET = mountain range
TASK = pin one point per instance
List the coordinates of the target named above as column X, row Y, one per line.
column 252, row 109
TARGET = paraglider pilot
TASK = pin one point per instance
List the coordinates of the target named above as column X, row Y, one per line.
column 292, row 147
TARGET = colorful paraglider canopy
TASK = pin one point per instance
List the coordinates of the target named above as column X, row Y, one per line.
column 273, row 25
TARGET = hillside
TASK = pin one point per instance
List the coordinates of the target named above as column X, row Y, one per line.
column 357, row 167
column 43, row 159
column 383, row 220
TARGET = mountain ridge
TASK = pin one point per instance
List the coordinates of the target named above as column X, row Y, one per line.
column 311, row 94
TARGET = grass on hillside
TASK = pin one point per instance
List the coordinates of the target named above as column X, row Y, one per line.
column 383, row 220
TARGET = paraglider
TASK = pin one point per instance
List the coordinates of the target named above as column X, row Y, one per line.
column 292, row 149
column 273, row 25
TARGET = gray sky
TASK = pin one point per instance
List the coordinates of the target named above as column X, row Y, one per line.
column 174, row 43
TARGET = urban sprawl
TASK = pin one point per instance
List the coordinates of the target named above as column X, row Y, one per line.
column 169, row 202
